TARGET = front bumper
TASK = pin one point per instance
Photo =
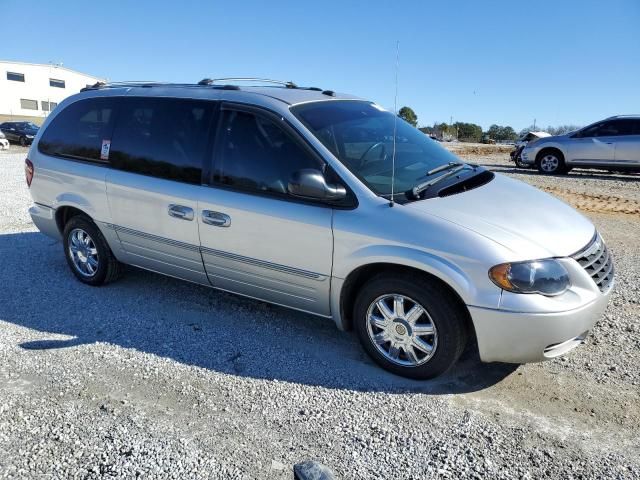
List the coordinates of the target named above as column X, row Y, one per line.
column 528, row 156
column 517, row 337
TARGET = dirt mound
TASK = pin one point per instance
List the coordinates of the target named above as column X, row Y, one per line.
column 596, row 203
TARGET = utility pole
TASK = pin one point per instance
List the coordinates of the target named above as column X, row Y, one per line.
column 534, row 123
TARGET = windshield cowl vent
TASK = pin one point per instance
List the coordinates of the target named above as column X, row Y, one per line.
column 473, row 182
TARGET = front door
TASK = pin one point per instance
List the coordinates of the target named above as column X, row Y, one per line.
column 156, row 152
column 256, row 239
column 594, row 145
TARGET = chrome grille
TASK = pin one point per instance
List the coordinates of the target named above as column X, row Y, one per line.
column 597, row 262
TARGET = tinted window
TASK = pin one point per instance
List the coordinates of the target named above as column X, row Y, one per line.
column 16, row 77
column 79, row 130
column 161, row 137
column 56, row 83
column 256, row 154
column 610, row 128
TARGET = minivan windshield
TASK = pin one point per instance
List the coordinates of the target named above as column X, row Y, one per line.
column 360, row 135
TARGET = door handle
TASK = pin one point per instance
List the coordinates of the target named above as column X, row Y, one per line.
column 181, row 212
column 216, row 219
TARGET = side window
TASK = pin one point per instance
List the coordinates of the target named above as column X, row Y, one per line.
column 162, row 137
column 78, row 131
column 615, row 128
column 256, row 154
column 610, row 128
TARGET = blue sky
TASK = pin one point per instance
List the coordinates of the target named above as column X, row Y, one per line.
column 505, row 62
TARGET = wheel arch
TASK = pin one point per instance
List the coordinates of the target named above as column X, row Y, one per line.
column 548, row 149
column 349, row 287
column 65, row 212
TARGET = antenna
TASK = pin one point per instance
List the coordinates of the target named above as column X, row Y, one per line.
column 395, row 124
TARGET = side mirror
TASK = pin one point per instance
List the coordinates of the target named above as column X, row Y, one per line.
column 310, row 183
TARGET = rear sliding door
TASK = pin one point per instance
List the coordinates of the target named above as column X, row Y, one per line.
column 156, row 154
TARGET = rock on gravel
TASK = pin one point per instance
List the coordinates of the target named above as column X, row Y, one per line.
column 156, row 378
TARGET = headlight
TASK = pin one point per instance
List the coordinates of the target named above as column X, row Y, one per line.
column 546, row 277
column 30, row 136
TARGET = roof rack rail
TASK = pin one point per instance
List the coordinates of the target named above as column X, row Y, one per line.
column 629, row 115
column 134, row 83
column 211, row 81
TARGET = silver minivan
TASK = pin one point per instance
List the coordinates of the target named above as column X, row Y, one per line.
column 320, row 202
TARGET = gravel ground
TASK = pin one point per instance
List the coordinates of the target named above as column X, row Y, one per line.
column 158, row 378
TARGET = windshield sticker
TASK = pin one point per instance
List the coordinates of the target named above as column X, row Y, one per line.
column 104, row 151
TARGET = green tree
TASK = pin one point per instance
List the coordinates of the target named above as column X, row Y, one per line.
column 408, row 115
column 468, row 132
column 499, row 133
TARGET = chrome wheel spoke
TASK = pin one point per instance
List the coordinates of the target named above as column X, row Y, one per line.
column 380, row 338
column 411, row 353
column 421, row 345
column 420, row 330
column 414, row 314
column 377, row 322
column 384, row 309
column 398, row 306
column 394, row 351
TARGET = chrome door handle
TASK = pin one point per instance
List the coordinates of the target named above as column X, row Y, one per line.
column 216, row 219
column 181, row 212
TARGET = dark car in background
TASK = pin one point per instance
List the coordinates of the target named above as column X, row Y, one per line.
column 19, row 132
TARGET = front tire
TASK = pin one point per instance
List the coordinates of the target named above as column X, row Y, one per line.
column 23, row 142
column 87, row 252
column 551, row 162
column 410, row 325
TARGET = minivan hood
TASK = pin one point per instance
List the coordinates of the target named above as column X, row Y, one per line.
column 530, row 223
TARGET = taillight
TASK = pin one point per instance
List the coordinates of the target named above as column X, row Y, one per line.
column 28, row 171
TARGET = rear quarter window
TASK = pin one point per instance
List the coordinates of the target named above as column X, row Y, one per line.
column 79, row 130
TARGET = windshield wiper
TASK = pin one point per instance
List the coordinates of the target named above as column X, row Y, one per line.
column 418, row 189
column 446, row 166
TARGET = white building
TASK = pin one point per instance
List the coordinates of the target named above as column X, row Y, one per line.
column 29, row 91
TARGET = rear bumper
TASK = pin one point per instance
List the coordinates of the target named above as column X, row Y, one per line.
column 517, row 337
column 45, row 219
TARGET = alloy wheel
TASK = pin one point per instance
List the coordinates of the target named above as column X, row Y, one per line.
column 549, row 163
column 83, row 252
column 401, row 330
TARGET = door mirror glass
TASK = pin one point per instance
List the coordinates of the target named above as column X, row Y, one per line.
column 310, row 183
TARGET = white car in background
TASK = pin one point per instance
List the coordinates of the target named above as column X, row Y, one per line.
column 4, row 143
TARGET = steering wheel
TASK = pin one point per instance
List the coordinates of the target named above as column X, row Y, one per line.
column 368, row 150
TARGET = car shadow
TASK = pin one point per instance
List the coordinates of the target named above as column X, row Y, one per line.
column 197, row 326
column 575, row 172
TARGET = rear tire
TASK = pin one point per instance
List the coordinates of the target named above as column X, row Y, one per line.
column 551, row 162
column 398, row 339
column 87, row 252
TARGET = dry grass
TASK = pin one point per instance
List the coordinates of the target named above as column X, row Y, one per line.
column 466, row 150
